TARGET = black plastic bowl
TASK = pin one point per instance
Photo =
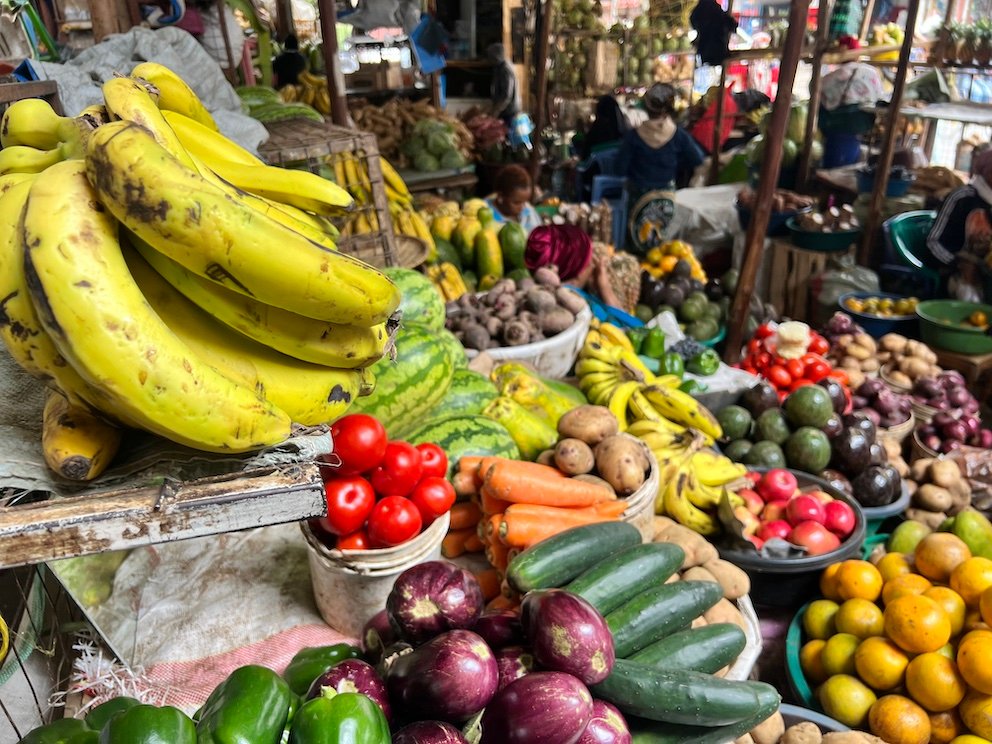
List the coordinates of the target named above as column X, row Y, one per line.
column 790, row 582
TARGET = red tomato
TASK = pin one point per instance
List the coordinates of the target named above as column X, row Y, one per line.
column 359, row 443
column 433, row 497
column 764, row 331
column 394, row 520
column 357, row 540
column 748, row 368
column 779, row 377
column 433, row 459
column 817, row 370
column 818, row 344
column 399, row 472
column 796, row 368
column 763, row 360
column 349, row 501
column 754, row 345
column 841, row 377
column 798, row 383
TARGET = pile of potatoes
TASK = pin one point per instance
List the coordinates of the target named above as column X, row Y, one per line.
column 939, row 490
column 773, row 731
column 905, row 360
column 591, row 448
column 857, row 355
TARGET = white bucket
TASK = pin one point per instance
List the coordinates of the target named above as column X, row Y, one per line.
column 640, row 504
column 350, row 586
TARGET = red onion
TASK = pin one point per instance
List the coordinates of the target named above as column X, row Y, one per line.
column 956, row 431
column 985, row 438
column 958, row 396
column 932, row 441
column 971, row 424
column 949, row 445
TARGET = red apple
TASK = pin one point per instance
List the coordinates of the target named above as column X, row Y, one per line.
column 747, row 519
column 776, row 528
column 756, row 541
column 777, row 484
column 822, row 496
column 753, row 475
column 813, row 536
column 774, row 510
column 805, row 508
column 752, row 500
column 839, row 518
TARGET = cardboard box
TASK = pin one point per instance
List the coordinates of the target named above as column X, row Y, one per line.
column 383, row 76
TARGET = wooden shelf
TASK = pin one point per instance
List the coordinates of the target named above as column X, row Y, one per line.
column 467, row 63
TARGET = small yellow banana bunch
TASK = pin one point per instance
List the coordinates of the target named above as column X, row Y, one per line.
column 311, row 90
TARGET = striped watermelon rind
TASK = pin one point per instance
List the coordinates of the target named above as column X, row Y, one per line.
column 454, row 346
column 421, row 303
column 465, row 436
column 468, row 393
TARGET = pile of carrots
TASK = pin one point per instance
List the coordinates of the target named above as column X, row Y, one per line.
column 505, row 506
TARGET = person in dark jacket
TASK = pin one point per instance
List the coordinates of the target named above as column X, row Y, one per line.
column 289, row 63
column 505, row 92
column 610, row 125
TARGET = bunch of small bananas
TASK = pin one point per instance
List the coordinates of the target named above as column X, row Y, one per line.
column 310, row 89
column 406, row 219
column 156, row 275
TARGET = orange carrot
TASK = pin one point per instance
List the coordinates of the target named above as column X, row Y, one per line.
column 474, row 544
column 453, row 544
column 521, row 528
column 501, row 603
column 464, row 484
column 464, row 515
column 489, row 579
column 539, row 484
column 496, row 554
column 613, row 509
column 493, row 527
column 490, row 504
column 470, row 464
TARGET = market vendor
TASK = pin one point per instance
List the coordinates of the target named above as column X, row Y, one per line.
column 961, row 235
column 511, row 200
column 609, row 127
column 570, row 249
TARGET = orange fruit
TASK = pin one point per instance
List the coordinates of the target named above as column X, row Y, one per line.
column 917, row 624
column 973, row 621
column 945, row 726
column 891, row 565
column 818, row 620
column 985, row 606
column 828, row 582
column 811, row 661
column 933, row 681
column 838, row 655
column 846, row 699
column 862, row 618
column 971, row 578
column 880, row 663
column 969, row 739
column 904, row 585
column 975, row 660
column 859, row 579
column 899, row 720
column 951, row 603
column 976, row 712
column 938, row 554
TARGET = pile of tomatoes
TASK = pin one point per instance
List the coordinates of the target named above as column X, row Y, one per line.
column 379, row 493
column 762, row 359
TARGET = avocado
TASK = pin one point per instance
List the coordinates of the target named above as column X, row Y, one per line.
column 852, row 451
column 759, row 398
column 714, row 290
column 736, row 422
column 808, row 449
column 766, row 455
column 704, row 329
column 771, row 426
column 672, row 295
column 874, row 487
column 729, row 281
column 738, row 450
column 643, row 313
column 810, row 405
column 692, row 308
column 682, row 269
column 711, row 311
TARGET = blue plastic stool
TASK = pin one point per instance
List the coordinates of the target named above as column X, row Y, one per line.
column 613, row 190
column 840, row 149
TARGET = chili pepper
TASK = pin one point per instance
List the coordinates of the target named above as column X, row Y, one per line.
column 147, row 724
column 310, row 663
column 654, row 344
column 251, row 705
column 672, row 364
column 637, row 336
column 693, row 387
column 339, row 718
column 63, row 731
column 704, row 364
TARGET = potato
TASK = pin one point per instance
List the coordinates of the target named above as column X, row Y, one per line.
column 546, row 458
column 746, row 739
column 911, row 485
column 802, row 733
column 914, row 368
column 596, row 481
column 622, row 462
column 733, row 580
column 893, row 342
column 673, row 578
column 706, row 552
column 690, row 542
column 866, row 342
column 856, row 377
column 900, row 378
column 590, row 424
column 698, row 573
column 858, row 352
column 945, row 473
column 770, row 730
column 660, row 525
column 870, row 365
column 933, row 520
column 724, row 611
column 851, row 737
column 699, row 622
column 919, row 470
column 933, row 498
column 574, row 457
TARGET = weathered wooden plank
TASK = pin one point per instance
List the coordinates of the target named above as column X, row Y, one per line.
column 133, row 517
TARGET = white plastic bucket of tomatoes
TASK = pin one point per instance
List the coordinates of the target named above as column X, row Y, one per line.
column 387, row 510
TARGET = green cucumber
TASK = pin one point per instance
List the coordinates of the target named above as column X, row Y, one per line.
column 626, row 574
column 658, row 612
column 691, row 698
column 554, row 562
column 706, row 649
column 654, row 732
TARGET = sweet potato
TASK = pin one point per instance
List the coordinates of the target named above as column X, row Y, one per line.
column 733, row 580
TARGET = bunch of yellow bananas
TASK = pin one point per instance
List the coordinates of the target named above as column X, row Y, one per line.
column 311, row 90
column 158, row 276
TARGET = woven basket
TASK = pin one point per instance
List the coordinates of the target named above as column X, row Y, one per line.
column 924, row 413
column 918, row 450
column 640, row 504
column 895, row 387
column 899, row 432
column 410, row 251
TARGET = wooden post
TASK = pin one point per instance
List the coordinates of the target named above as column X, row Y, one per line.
column 232, row 66
column 866, row 20
column 103, row 16
column 335, row 80
column 718, row 127
column 541, row 85
column 284, row 19
column 435, row 76
column 884, row 165
column 755, row 244
column 815, row 90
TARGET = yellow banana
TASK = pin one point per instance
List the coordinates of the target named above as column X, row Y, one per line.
column 207, row 144
column 713, row 469
column 615, row 336
column 217, row 236
column 668, row 381
column 32, row 122
column 303, row 338
column 301, row 189
column 340, row 175
column 99, row 320
column 641, row 407
column 76, row 444
column 682, row 408
column 393, row 179
column 173, row 93
column 704, row 497
column 310, row 394
column 362, row 169
column 129, row 100
column 603, row 352
column 322, row 101
column 591, row 379
column 633, row 362
column 96, row 115
column 290, row 93
column 620, row 399
column 423, row 231
column 679, row 508
column 665, row 444
column 24, row 159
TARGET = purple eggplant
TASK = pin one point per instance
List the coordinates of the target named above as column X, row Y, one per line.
column 513, row 663
column 607, row 726
column 431, row 598
column 354, row 675
column 377, row 634
column 429, row 732
column 541, row 708
column 500, row 628
column 450, row 678
column 569, row 635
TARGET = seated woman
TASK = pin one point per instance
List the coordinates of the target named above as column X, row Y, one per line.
column 609, row 126
column 511, row 201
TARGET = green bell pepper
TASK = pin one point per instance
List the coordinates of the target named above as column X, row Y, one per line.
column 310, row 663
column 147, row 724
column 704, row 364
column 99, row 716
column 637, row 336
column 63, row 731
column 339, row 718
column 250, row 707
column 672, row 364
column 693, row 387
column 654, row 344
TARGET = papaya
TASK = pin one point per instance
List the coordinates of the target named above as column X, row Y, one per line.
column 446, row 253
column 488, row 254
column 513, row 242
column 472, row 206
column 463, row 238
column 442, row 226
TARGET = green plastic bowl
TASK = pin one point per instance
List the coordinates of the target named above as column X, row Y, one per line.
column 711, row 342
column 832, row 242
column 941, row 326
column 793, row 669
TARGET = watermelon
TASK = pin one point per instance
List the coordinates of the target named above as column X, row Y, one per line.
column 468, row 393
column 455, row 349
column 406, row 389
column 421, row 303
column 463, row 436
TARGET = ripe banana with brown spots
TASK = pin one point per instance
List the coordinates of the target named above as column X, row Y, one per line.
column 77, row 444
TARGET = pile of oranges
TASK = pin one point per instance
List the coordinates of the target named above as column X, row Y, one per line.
column 903, row 647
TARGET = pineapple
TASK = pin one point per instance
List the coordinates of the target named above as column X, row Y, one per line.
column 983, row 51
column 969, row 47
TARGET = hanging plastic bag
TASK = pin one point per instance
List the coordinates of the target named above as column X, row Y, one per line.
column 842, row 275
